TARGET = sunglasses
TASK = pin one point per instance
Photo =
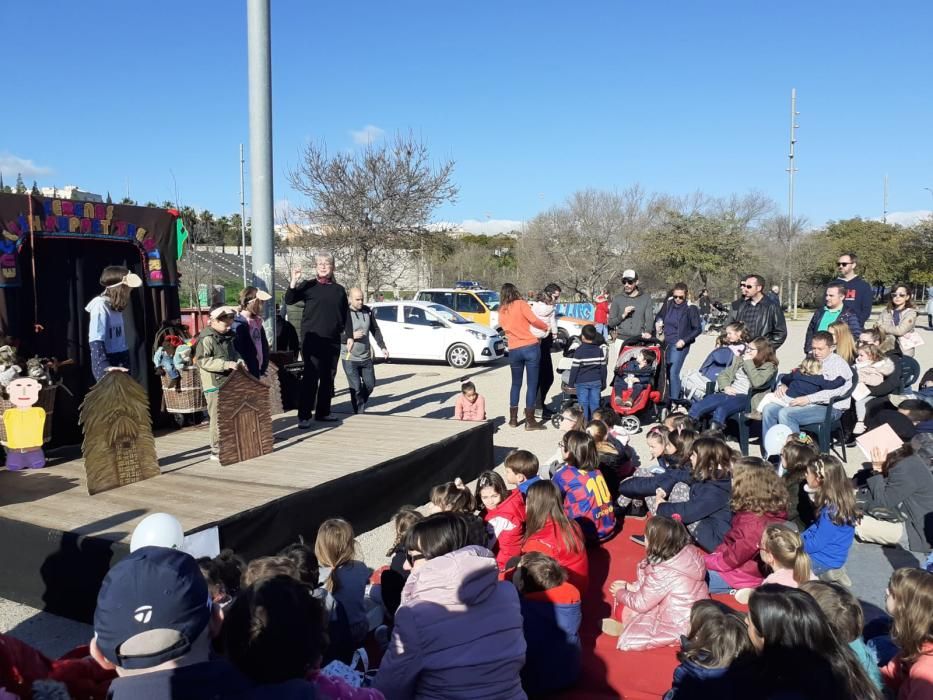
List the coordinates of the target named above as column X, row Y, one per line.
column 677, row 298
column 842, row 264
column 628, row 280
column 747, row 286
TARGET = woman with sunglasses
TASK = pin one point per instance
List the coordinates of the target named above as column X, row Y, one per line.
column 680, row 323
column 899, row 317
column 458, row 631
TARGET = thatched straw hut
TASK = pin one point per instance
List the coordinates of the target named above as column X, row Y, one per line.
column 118, row 445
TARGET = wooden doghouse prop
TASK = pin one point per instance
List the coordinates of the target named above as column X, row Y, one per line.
column 244, row 418
column 118, row 445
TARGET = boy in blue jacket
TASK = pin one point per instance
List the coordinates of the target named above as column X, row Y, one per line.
column 552, row 612
column 588, row 371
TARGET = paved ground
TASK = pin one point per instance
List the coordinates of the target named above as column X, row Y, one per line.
column 429, row 390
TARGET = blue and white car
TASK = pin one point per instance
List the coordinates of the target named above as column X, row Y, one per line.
column 419, row 330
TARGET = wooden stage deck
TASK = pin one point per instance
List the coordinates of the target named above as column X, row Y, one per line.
column 362, row 468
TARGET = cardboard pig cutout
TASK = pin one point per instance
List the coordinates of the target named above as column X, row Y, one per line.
column 25, row 425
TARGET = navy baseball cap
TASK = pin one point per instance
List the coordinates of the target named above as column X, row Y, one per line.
column 151, row 608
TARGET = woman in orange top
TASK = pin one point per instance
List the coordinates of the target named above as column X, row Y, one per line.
column 516, row 319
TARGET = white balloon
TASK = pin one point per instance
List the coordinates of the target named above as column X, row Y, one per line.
column 158, row 530
column 776, row 438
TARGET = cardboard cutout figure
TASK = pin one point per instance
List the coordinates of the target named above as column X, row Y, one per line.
column 118, row 445
column 25, row 425
column 244, row 419
column 271, row 378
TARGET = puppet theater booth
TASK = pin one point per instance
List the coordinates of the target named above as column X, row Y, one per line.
column 57, row 542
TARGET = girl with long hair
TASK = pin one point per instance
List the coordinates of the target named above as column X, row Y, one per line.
column 107, row 330
column 517, row 319
column 909, row 599
column 828, row 540
column 586, row 494
column 335, row 548
column 845, row 341
column 549, row 530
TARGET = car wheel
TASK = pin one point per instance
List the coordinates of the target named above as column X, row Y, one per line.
column 459, row 356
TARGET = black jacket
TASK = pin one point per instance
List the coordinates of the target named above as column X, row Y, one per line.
column 908, row 489
column 708, row 507
column 244, row 345
column 847, row 316
column 325, row 311
column 763, row 320
column 690, row 328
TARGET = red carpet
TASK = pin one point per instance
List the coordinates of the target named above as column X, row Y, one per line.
column 608, row 672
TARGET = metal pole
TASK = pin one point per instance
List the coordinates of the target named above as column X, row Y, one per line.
column 260, row 151
column 243, row 215
column 790, row 188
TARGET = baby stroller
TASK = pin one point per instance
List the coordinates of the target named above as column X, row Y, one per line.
column 568, row 394
column 717, row 319
column 647, row 407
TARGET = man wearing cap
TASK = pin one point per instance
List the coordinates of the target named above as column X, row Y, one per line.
column 216, row 357
column 357, row 360
column 323, row 321
column 763, row 318
column 630, row 314
column 250, row 336
column 154, row 623
column 106, row 329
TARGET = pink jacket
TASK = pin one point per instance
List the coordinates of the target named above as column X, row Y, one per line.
column 657, row 612
column 464, row 410
column 458, row 633
column 915, row 683
column 736, row 559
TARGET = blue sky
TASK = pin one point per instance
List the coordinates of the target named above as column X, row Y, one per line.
column 532, row 99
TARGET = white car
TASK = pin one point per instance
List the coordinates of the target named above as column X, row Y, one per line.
column 419, row 330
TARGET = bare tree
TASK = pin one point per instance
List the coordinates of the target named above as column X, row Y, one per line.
column 370, row 204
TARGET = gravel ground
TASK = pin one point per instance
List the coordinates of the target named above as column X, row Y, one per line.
column 428, row 390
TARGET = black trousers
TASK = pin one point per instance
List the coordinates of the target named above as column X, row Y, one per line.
column 545, row 370
column 317, row 385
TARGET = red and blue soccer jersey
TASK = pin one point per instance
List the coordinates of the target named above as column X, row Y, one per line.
column 587, row 500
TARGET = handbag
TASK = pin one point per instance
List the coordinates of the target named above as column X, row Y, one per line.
column 911, row 340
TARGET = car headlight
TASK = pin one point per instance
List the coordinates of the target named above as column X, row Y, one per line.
column 479, row 335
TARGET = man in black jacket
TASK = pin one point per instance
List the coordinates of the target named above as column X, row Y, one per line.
column 762, row 317
column 323, row 321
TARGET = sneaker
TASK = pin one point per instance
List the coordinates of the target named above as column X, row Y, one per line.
column 859, row 428
column 361, row 408
column 304, row 424
column 638, row 539
column 754, row 415
column 327, row 419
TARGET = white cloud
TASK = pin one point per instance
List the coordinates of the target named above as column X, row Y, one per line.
column 907, row 218
column 367, row 135
column 489, row 227
column 10, row 165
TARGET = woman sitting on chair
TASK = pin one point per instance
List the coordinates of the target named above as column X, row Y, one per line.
column 750, row 374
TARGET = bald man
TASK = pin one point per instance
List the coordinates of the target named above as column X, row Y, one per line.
column 357, row 356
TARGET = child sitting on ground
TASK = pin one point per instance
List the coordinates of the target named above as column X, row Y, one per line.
column 670, row 579
column 503, row 511
column 845, row 616
column 730, row 344
column 586, row 495
column 828, row 540
column 798, row 452
column 910, row 602
column 759, row 499
column 217, row 358
column 718, row 638
column 873, row 368
column 667, row 451
column 634, row 375
column 392, row 580
column 552, row 613
column 470, row 405
column 804, row 380
column 612, row 464
column 549, row 530
column 782, row 552
column 521, row 470
column 451, row 497
column 346, row 577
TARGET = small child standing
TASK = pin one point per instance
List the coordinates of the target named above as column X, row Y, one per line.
column 781, row 551
column 216, row 358
column 718, row 637
column 586, row 494
column 552, row 612
column 872, row 367
column 346, row 576
column 634, row 375
column 845, row 616
column 588, row 371
column 759, row 499
column 670, row 579
column 804, row 380
column 828, row 540
column 521, row 470
column 470, row 405
column 503, row 511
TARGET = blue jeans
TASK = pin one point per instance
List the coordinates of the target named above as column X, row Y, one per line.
column 525, row 359
column 588, row 396
column 717, row 584
column 720, row 405
column 675, row 362
column 361, row 378
column 792, row 416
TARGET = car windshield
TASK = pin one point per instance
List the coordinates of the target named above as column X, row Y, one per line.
column 448, row 315
column 490, row 299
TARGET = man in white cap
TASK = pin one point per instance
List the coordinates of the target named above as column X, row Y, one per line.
column 631, row 314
